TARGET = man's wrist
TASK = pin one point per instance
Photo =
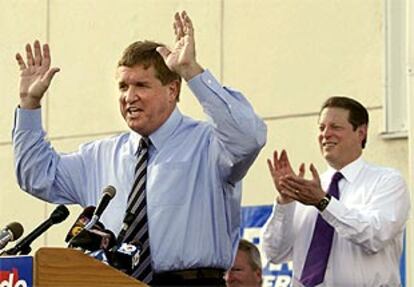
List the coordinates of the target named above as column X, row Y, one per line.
column 191, row 71
column 29, row 103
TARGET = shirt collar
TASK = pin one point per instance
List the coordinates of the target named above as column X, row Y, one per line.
column 350, row 171
column 160, row 136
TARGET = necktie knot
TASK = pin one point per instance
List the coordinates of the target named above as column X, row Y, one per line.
column 333, row 186
column 144, row 142
column 337, row 177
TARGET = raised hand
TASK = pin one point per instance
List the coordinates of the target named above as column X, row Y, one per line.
column 35, row 75
column 182, row 58
column 280, row 168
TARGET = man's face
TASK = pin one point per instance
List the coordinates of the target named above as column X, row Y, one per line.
column 144, row 102
column 339, row 143
column 242, row 274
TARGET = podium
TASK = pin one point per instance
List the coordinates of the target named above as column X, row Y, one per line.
column 63, row 267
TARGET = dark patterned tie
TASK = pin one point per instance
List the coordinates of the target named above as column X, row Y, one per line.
column 137, row 230
column 314, row 269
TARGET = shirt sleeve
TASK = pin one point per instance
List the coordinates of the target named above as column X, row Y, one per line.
column 278, row 234
column 240, row 133
column 40, row 170
column 380, row 221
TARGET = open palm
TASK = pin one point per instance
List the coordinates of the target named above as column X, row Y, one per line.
column 182, row 57
column 35, row 73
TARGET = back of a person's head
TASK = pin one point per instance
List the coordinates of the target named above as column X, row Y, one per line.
column 358, row 114
column 144, row 53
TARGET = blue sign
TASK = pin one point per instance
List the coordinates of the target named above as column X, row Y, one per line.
column 276, row 275
column 16, row 271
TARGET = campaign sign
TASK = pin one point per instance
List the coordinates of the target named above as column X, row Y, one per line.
column 253, row 219
column 277, row 275
column 16, row 271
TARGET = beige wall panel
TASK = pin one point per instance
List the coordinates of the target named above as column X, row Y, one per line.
column 20, row 21
column 289, row 55
column 87, row 39
column 16, row 205
column 299, row 137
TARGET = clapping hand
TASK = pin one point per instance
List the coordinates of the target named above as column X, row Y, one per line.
column 280, row 168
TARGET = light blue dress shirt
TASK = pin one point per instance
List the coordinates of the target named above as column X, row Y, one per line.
column 194, row 175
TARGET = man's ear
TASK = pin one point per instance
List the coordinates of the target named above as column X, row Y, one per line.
column 362, row 132
column 174, row 90
column 258, row 274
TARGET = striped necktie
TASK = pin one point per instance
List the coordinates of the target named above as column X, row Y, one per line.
column 137, row 230
column 313, row 272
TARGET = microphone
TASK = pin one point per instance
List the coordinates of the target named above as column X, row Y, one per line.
column 93, row 239
column 23, row 246
column 107, row 194
column 80, row 223
column 125, row 257
column 11, row 232
column 129, row 217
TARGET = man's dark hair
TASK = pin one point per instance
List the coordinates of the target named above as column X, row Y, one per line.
column 358, row 114
column 144, row 53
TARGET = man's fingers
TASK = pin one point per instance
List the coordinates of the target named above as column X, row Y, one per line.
column 188, row 25
column 315, row 174
column 178, row 26
column 37, row 53
column 284, row 158
column 276, row 160
column 163, row 51
column 270, row 165
column 293, row 194
column 29, row 55
column 290, row 184
column 289, row 191
column 302, row 170
column 20, row 62
column 50, row 74
column 46, row 55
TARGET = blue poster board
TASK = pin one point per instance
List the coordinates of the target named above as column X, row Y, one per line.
column 277, row 275
column 16, row 271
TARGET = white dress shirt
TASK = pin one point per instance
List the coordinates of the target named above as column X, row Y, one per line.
column 369, row 221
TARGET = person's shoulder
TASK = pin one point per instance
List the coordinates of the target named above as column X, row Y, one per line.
column 194, row 130
column 112, row 140
column 380, row 170
column 193, row 124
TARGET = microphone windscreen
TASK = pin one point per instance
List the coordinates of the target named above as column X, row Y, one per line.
column 16, row 230
column 80, row 222
column 59, row 214
column 109, row 190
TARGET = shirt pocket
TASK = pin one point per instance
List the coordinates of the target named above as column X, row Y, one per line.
column 169, row 184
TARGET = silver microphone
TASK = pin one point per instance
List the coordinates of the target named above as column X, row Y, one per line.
column 11, row 232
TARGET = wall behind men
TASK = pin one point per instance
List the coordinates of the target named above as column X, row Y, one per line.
column 286, row 56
